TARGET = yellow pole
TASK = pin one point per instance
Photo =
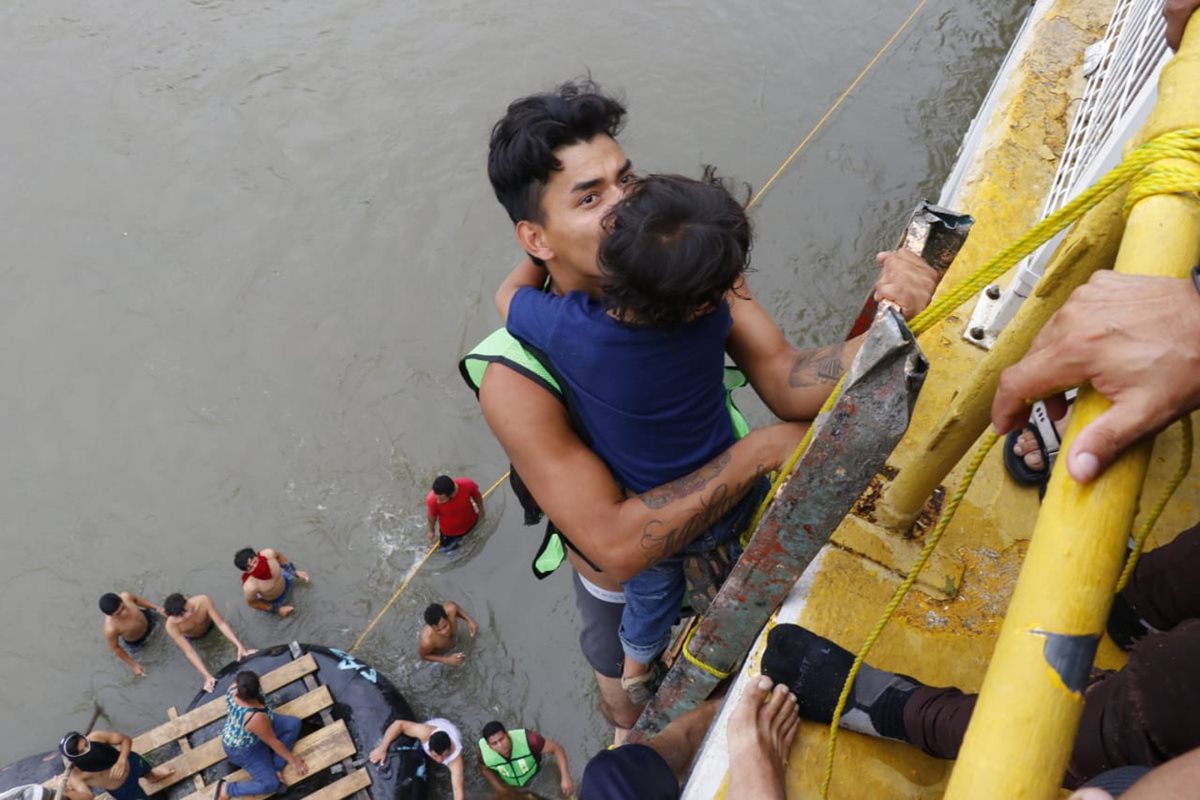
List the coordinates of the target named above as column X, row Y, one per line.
column 1024, row 724
column 1090, row 245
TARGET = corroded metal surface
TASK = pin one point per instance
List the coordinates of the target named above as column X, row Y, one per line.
column 849, row 446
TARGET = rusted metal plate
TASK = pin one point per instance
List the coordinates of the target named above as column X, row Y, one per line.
column 849, row 446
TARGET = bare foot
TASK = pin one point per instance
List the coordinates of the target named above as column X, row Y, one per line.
column 302, row 575
column 761, row 729
column 285, row 610
column 1027, row 446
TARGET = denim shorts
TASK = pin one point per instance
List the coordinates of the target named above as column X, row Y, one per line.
column 654, row 596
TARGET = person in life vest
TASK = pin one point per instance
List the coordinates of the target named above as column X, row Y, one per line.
column 455, row 507
column 511, row 758
column 267, row 578
column 556, row 167
column 104, row 761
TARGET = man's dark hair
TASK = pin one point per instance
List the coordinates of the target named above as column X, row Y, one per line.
column 440, row 743
column 521, row 150
column 175, row 605
column 248, row 685
column 434, row 613
column 109, row 603
column 443, row 485
column 492, row 728
column 241, row 558
column 674, row 246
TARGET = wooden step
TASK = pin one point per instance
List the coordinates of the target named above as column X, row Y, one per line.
column 208, row 753
column 320, row 750
column 215, row 709
column 342, row 787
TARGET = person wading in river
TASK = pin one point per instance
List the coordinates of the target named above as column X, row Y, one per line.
column 128, row 622
column 267, row 578
column 190, row 619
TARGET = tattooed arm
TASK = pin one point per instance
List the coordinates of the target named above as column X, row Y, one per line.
column 795, row 383
column 622, row 535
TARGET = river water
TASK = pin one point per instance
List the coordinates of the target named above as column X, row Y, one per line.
column 244, row 245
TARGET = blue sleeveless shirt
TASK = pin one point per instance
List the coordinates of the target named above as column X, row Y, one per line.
column 651, row 400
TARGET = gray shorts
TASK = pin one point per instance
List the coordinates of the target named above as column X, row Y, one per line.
column 598, row 632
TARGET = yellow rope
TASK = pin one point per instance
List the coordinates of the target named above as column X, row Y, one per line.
column 1146, row 178
column 898, row 596
column 413, row 570
column 1181, row 471
column 836, row 103
column 698, row 663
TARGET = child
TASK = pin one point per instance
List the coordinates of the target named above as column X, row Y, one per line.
column 642, row 367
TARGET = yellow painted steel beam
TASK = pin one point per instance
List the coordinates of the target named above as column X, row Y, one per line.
column 1024, row 724
column 1091, row 245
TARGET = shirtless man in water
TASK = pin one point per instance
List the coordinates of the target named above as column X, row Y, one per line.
column 267, row 577
column 128, row 620
column 439, row 632
column 191, row 618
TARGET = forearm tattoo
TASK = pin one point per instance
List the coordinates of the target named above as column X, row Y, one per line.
column 659, row 540
column 823, row 365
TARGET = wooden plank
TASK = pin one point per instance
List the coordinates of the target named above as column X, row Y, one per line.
column 215, row 709
column 343, row 787
column 205, row 755
column 185, row 747
column 320, row 750
column 310, row 681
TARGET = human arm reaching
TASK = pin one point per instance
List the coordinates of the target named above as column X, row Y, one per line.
column 461, row 613
column 795, row 383
column 564, row 769
column 192, row 656
column 1136, row 339
column 398, row 728
column 526, row 274
column 114, row 644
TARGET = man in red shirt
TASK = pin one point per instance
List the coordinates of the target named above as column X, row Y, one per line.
column 455, row 506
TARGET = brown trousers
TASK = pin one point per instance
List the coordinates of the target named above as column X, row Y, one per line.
column 1144, row 714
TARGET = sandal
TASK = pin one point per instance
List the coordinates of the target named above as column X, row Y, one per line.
column 705, row 572
column 640, row 688
column 1049, row 442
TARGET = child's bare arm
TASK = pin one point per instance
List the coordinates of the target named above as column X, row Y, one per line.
column 524, row 274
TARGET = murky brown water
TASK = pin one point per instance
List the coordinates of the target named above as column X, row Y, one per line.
column 244, row 244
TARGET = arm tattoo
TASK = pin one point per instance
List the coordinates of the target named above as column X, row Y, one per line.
column 689, row 484
column 659, row 542
column 823, row 365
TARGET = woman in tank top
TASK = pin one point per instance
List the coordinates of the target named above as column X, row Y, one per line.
column 256, row 739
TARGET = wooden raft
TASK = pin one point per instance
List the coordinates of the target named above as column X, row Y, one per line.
column 329, row 747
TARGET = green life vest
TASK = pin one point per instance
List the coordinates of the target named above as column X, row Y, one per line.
column 521, row 765
column 503, row 348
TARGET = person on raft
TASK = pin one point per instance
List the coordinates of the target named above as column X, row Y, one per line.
column 440, row 740
column 256, row 739
column 104, row 761
column 267, row 577
column 440, row 631
column 128, row 620
column 190, row 619
column 455, row 507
